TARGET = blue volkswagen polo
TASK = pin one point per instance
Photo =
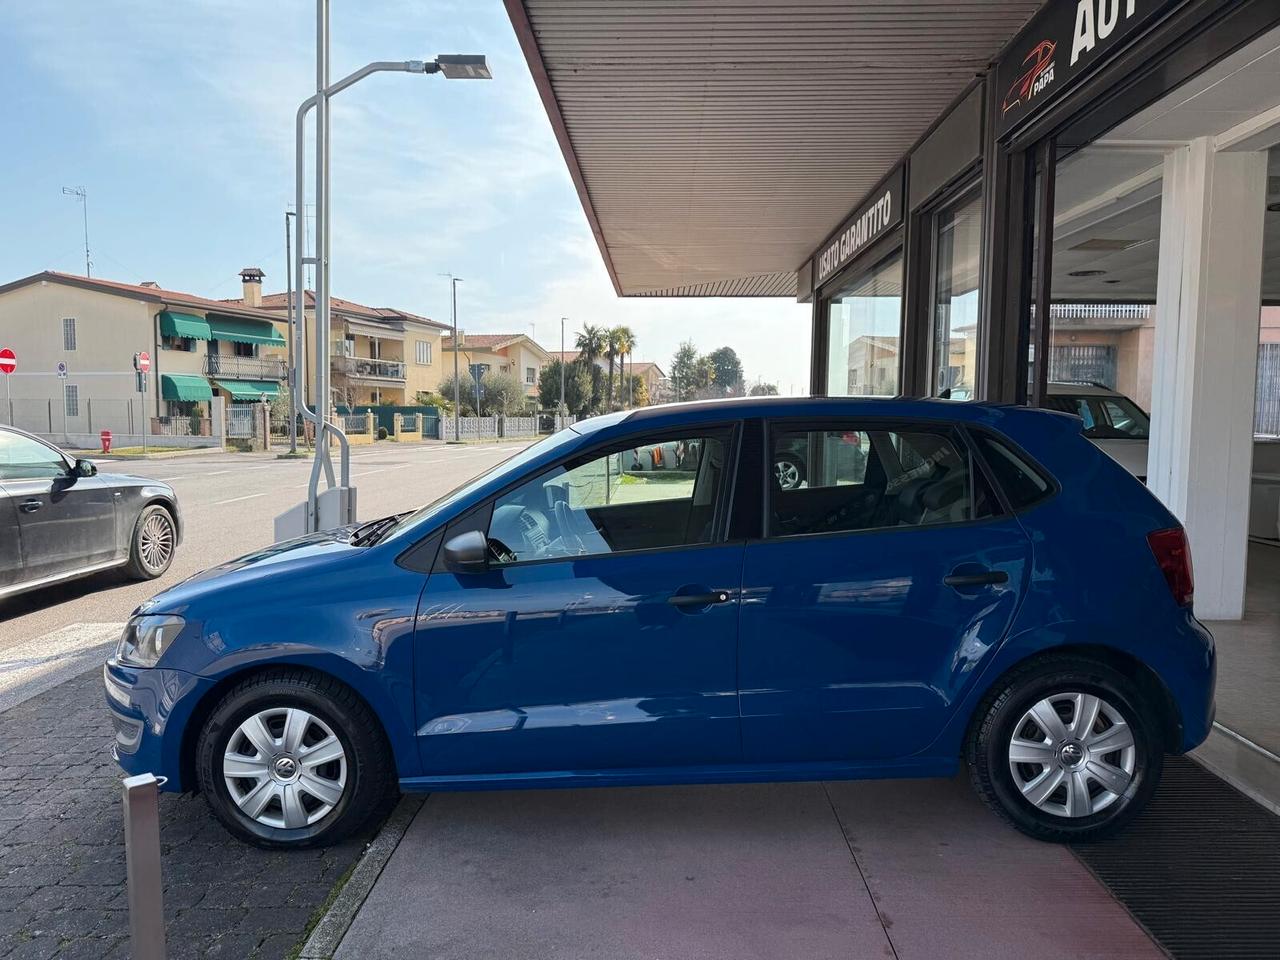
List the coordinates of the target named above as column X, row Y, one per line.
column 640, row 599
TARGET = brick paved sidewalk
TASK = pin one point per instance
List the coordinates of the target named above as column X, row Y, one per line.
column 62, row 851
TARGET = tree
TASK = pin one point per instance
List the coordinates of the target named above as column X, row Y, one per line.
column 500, row 393
column 684, row 370
column 638, row 390
column 728, row 379
column 466, row 393
column 577, row 387
column 625, row 339
column 442, row 402
column 762, row 389
column 591, row 344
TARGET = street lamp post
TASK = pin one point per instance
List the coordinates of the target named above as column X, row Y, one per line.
column 457, row 349
column 563, row 411
column 293, row 366
column 452, row 67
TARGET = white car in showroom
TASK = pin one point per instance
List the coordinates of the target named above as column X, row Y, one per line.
column 1117, row 425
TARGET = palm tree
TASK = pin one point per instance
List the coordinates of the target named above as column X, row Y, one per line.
column 612, row 350
column 591, row 343
column 625, row 339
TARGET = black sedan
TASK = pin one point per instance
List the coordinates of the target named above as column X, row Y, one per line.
column 60, row 519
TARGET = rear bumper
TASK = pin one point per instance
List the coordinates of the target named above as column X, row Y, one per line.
column 1192, row 681
column 149, row 713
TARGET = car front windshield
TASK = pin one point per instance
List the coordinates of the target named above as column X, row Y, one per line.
column 417, row 522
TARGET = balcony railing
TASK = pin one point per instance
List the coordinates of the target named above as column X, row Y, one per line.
column 244, row 368
column 366, row 368
column 1100, row 311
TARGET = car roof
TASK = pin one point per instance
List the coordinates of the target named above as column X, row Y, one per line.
column 1090, row 389
column 904, row 408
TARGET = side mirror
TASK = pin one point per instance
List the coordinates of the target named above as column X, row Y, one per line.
column 467, row 553
column 84, row 468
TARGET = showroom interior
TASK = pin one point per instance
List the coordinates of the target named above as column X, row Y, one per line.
column 1095, row 200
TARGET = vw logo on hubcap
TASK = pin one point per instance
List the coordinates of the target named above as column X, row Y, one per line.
column 1072, row 754
column 286, row 767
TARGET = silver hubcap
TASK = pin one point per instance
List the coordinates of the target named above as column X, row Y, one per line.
column 788, row 474
column 285, row 768
column 155, row 542
column 1072, row 754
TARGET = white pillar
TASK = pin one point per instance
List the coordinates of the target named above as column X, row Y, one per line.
column 1208, row 305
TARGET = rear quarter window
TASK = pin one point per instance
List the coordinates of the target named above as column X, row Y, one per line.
column 1022, row 483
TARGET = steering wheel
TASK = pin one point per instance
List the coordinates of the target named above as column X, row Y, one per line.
column 564, row 520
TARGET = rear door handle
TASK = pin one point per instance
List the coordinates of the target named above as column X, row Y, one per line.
column 699, row 599
column 31, row 506
column 986, row 578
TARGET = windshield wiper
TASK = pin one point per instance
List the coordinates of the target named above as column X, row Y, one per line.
column 370, row 533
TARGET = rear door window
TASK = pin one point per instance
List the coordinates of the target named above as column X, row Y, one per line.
column 858, row 477
column 1022, row 483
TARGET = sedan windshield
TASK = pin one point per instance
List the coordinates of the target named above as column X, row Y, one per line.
column 1105, row 417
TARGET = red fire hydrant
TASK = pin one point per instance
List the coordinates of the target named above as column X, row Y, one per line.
column 105, row 437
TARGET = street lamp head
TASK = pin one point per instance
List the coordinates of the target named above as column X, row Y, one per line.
column 463, row 66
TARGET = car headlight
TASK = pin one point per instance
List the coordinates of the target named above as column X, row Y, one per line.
column 146, row 638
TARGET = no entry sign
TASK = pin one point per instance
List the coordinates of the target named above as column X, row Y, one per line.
column 8, row 361
column 144, row 361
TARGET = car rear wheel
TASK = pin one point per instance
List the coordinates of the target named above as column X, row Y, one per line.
column 292, row 759
column 1065, row 750
column 155, row 536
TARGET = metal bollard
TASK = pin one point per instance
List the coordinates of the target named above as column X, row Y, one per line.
column 142, row 861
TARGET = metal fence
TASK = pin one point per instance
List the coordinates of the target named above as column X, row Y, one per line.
column 1266, row 415
column 1083, row 364
column 409, row 422
column 240, row 420
column 193, row 426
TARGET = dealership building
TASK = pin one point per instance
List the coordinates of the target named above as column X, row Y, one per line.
column 996, row 200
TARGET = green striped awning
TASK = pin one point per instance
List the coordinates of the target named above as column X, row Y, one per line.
column 177, row 386
column 249, row 389
column 240, row 330
column 186, row 325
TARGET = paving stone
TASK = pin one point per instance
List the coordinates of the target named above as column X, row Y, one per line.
column 62, row 851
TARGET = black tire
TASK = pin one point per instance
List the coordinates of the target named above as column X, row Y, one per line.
column 369, row 769
column 988, row 746
column 791, row 467
column 143, row 564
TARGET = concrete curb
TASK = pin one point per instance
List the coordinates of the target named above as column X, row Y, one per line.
column 328, row 932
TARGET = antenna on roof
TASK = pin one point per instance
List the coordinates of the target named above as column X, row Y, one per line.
column 81, row 194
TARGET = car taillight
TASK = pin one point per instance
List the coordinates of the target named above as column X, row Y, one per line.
column 1173, row 555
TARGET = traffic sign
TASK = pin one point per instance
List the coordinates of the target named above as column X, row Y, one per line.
column 62, row 369
column 8, row 361
column 142, row 361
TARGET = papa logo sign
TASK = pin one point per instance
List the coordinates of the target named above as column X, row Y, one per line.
column 1037, row 77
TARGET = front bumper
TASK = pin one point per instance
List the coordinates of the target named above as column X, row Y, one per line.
column 149, row 710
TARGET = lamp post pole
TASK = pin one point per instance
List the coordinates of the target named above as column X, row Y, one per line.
column 563, row 411
column 288, row 300
column 457, row 349
column 453, row 67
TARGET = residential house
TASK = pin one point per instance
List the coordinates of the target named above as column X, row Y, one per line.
column 505, row 352
column 199, row 348
column 377, row 354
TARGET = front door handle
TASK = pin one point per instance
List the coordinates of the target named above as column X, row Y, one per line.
column 699, row 599
column 985, row 578
column 31, row 506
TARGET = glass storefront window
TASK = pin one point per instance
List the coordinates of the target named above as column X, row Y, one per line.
column 957, row 252
column 865, row 333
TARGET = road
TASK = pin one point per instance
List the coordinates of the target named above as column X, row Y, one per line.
column 229, row 502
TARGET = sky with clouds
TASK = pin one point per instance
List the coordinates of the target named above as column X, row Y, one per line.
column 177, row 117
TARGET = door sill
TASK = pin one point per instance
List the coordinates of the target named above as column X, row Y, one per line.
column 55, row 578
column 662, row 776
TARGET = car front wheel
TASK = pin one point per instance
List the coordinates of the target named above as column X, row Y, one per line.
column 291, row 759
column 1065, row 750
column 155, row 536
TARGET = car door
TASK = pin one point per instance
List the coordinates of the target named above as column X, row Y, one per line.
column 880, row 584
column 603, row 634
column 10, row 540
column 65, row 521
